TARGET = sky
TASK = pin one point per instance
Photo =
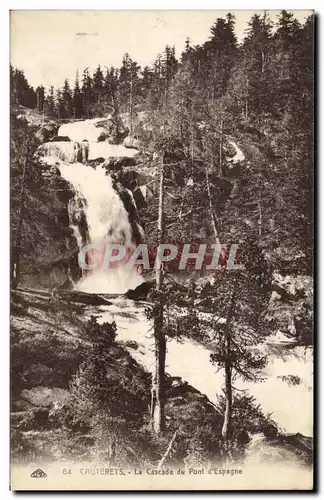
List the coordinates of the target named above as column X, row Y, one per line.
column 52, row 45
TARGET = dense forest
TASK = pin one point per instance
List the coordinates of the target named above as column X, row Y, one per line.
column 268, row 73
column 258, row 91
column 262, row 86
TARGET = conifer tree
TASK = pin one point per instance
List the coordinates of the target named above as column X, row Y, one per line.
column 98, row 85
column 221, row 51
column 50, row 102
column 67, row 100
column 40, row 98
column 242, row 296
column 77, row 99
column 87, row 94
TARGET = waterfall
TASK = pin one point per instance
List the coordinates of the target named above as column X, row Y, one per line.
column 107, row 222
column 289, row 405
column 67, row 151
column 97, row 212
column 75, row 152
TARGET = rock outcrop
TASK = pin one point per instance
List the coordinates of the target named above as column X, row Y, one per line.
column 290, row 306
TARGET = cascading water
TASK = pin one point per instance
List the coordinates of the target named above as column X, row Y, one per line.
column 97, row 213
column 67, row 151
column 289, row 405
column 107, row 222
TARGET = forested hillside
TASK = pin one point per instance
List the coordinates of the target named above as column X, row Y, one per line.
column 259, row 91
column 212, row 147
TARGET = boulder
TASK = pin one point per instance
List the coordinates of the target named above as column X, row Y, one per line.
column 139, row 198
column 45, row 397
column 141, row 291
column 38, row 374
column 61, row 138
column 287, row 260
column 117, row 352
column 91, row 299
column 96, row 162
column 103, row 136
column 115, row 163
column 47, row 132
column 290, row 307
column 275, row 297
column 131, row 142
column 55, row 171
column 143, row 195
column 85, row 440
column 292, row 287
column 300, row 442
column 37, row 419
column 131, row 344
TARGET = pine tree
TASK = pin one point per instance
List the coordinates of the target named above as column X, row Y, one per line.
column 67, row 100
column 129, row 85
column 98, row 84
column 77, row 99
column 110, row 87
column 40, row 96
column 181, row 110
column 125, row 83
column 13, row 89
column 169, row 65
column 220, row 51
column 50, row 102
column 256, row 52
column 286, row 42
column 87, row 94
column 242, row 296
column 22, row 92
column 145, row 86
column 187, row 51
column 287, row 28
column 26, row 193
column 158, row 376
column 157, row 84
column 59, row 105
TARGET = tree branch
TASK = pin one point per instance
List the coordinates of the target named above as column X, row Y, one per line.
column 161, row 462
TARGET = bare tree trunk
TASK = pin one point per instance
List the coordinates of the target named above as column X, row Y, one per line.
column 262, row 61
column 112, row 451
column 181, row 206
column 15, row 267
column 131, row 106
column 226, row 429
column 260, row 219
column 211, row 209
column 220, row 146
column 192, row 136
column 157, row 403
column 263, row 58
column 37, row 101
column 161, row 462
column 228, row 405
column 158, row 271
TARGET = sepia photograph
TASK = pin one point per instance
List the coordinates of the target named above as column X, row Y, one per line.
column 161, row 250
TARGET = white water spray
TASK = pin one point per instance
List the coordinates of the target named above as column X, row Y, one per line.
column 107, row 221
column 105, row 216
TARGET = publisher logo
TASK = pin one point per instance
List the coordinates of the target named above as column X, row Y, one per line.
column 38, row 473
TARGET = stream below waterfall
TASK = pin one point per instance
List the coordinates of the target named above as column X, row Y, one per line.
column 108, row 221
column 290, row 405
